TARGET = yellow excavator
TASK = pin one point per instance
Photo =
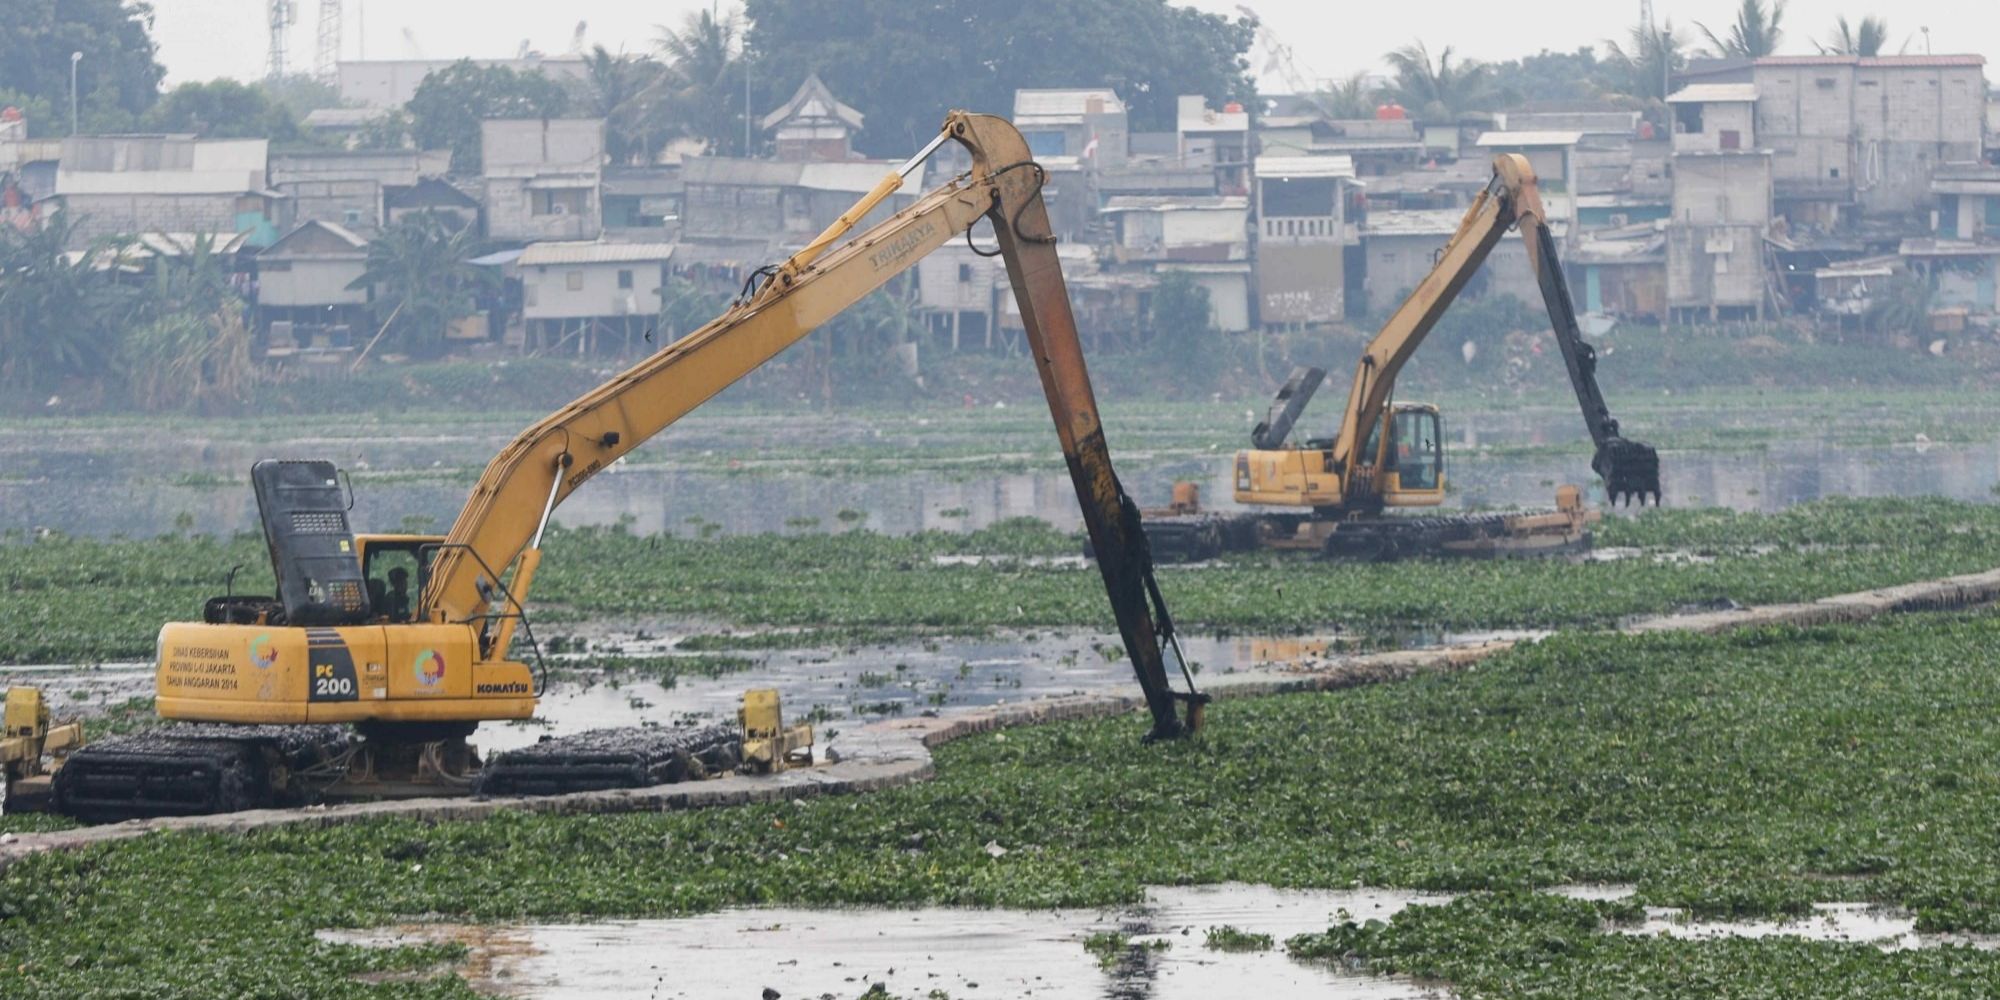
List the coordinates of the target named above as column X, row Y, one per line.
column 266, row 687
column 1333, row 491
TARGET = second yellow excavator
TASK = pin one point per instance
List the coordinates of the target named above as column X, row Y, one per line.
column 1329, row 494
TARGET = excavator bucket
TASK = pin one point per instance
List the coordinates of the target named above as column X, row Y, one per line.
column 1630, row 469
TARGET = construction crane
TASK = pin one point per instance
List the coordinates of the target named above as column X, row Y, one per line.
column 327, row 58
column 1279, row 60
column 284, row 13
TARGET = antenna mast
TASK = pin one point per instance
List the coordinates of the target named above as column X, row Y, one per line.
column 326, row 60
column 283, row 13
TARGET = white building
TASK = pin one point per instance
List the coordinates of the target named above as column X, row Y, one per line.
column 597, row 295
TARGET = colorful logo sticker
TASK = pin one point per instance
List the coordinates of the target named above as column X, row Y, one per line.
column 263, row 653
column 430, row 668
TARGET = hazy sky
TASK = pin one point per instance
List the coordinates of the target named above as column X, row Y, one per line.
column 207, row 38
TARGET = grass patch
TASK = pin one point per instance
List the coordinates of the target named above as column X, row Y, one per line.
column 1731, row 775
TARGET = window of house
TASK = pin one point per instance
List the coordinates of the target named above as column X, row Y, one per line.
column 558, row 201
column 1824, row 83
column 624, row 279
column 528, row 296
column 964, row 274
column 351, row 217
column 574, row 281
column 1045, row 143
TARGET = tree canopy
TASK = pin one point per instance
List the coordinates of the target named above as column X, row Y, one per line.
column 1440, row 90
column 118, row 77
column 450, row 103
column 906, row 65
column 1865, row 38
column 224, row 109
column 1756, row 32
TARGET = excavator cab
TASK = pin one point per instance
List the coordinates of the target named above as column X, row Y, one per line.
column 1407, row 463
column 1413, row 463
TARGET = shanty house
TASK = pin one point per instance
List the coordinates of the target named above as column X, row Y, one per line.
column 813, row 125
column 543, row 178
column 348, row 188
column 303, row 285
column 126, row 184
column 733, row 199
column 1307, row 208
column 595, row 294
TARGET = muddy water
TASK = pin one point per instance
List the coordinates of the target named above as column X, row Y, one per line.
column 140, row 481
column 965, row 953
column 840, row 688
column 1014, row 953
column 1887, row 928
column 845, row 688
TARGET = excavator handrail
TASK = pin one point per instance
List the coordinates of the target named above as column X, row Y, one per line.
column 1630, row 469
column 555, row 456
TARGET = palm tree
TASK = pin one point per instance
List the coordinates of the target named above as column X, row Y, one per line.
column 1439, row 91
column 1349, row 98
column 420, row 271
column 1650, row 55
column 1755, row 34
column 629, row 93
column 705, row 68
column 60, row 314
column 1865, row 39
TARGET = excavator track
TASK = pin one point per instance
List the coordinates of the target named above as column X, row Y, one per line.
column 193, row 769
column 604, row 759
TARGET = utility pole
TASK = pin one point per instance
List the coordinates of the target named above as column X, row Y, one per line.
column 74, row 59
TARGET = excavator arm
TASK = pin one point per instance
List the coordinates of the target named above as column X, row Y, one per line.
column 484, row 568
column 1631, row 470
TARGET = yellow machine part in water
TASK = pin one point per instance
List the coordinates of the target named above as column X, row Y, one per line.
column 407, row 672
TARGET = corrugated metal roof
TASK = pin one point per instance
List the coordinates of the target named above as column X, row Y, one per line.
column 1305, row 166
column 855, row 177
column 341, row 117
column 1176, row 203
column 1059, row 107
column 1504, row 140
column 1948, row 248
column 734, row 172
column 554, row 254
column 1419, row 222
column 1884, row 62
column 1715, row 93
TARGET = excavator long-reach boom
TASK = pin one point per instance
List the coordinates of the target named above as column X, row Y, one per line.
column 502, row 523
column 1630, row 470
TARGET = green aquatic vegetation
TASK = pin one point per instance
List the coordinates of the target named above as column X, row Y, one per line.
column 1227, row 938
column 1535, row 944
column 66, row 599
column 1746, row 774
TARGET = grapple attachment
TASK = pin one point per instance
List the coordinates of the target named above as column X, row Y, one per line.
column 1630, row 470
